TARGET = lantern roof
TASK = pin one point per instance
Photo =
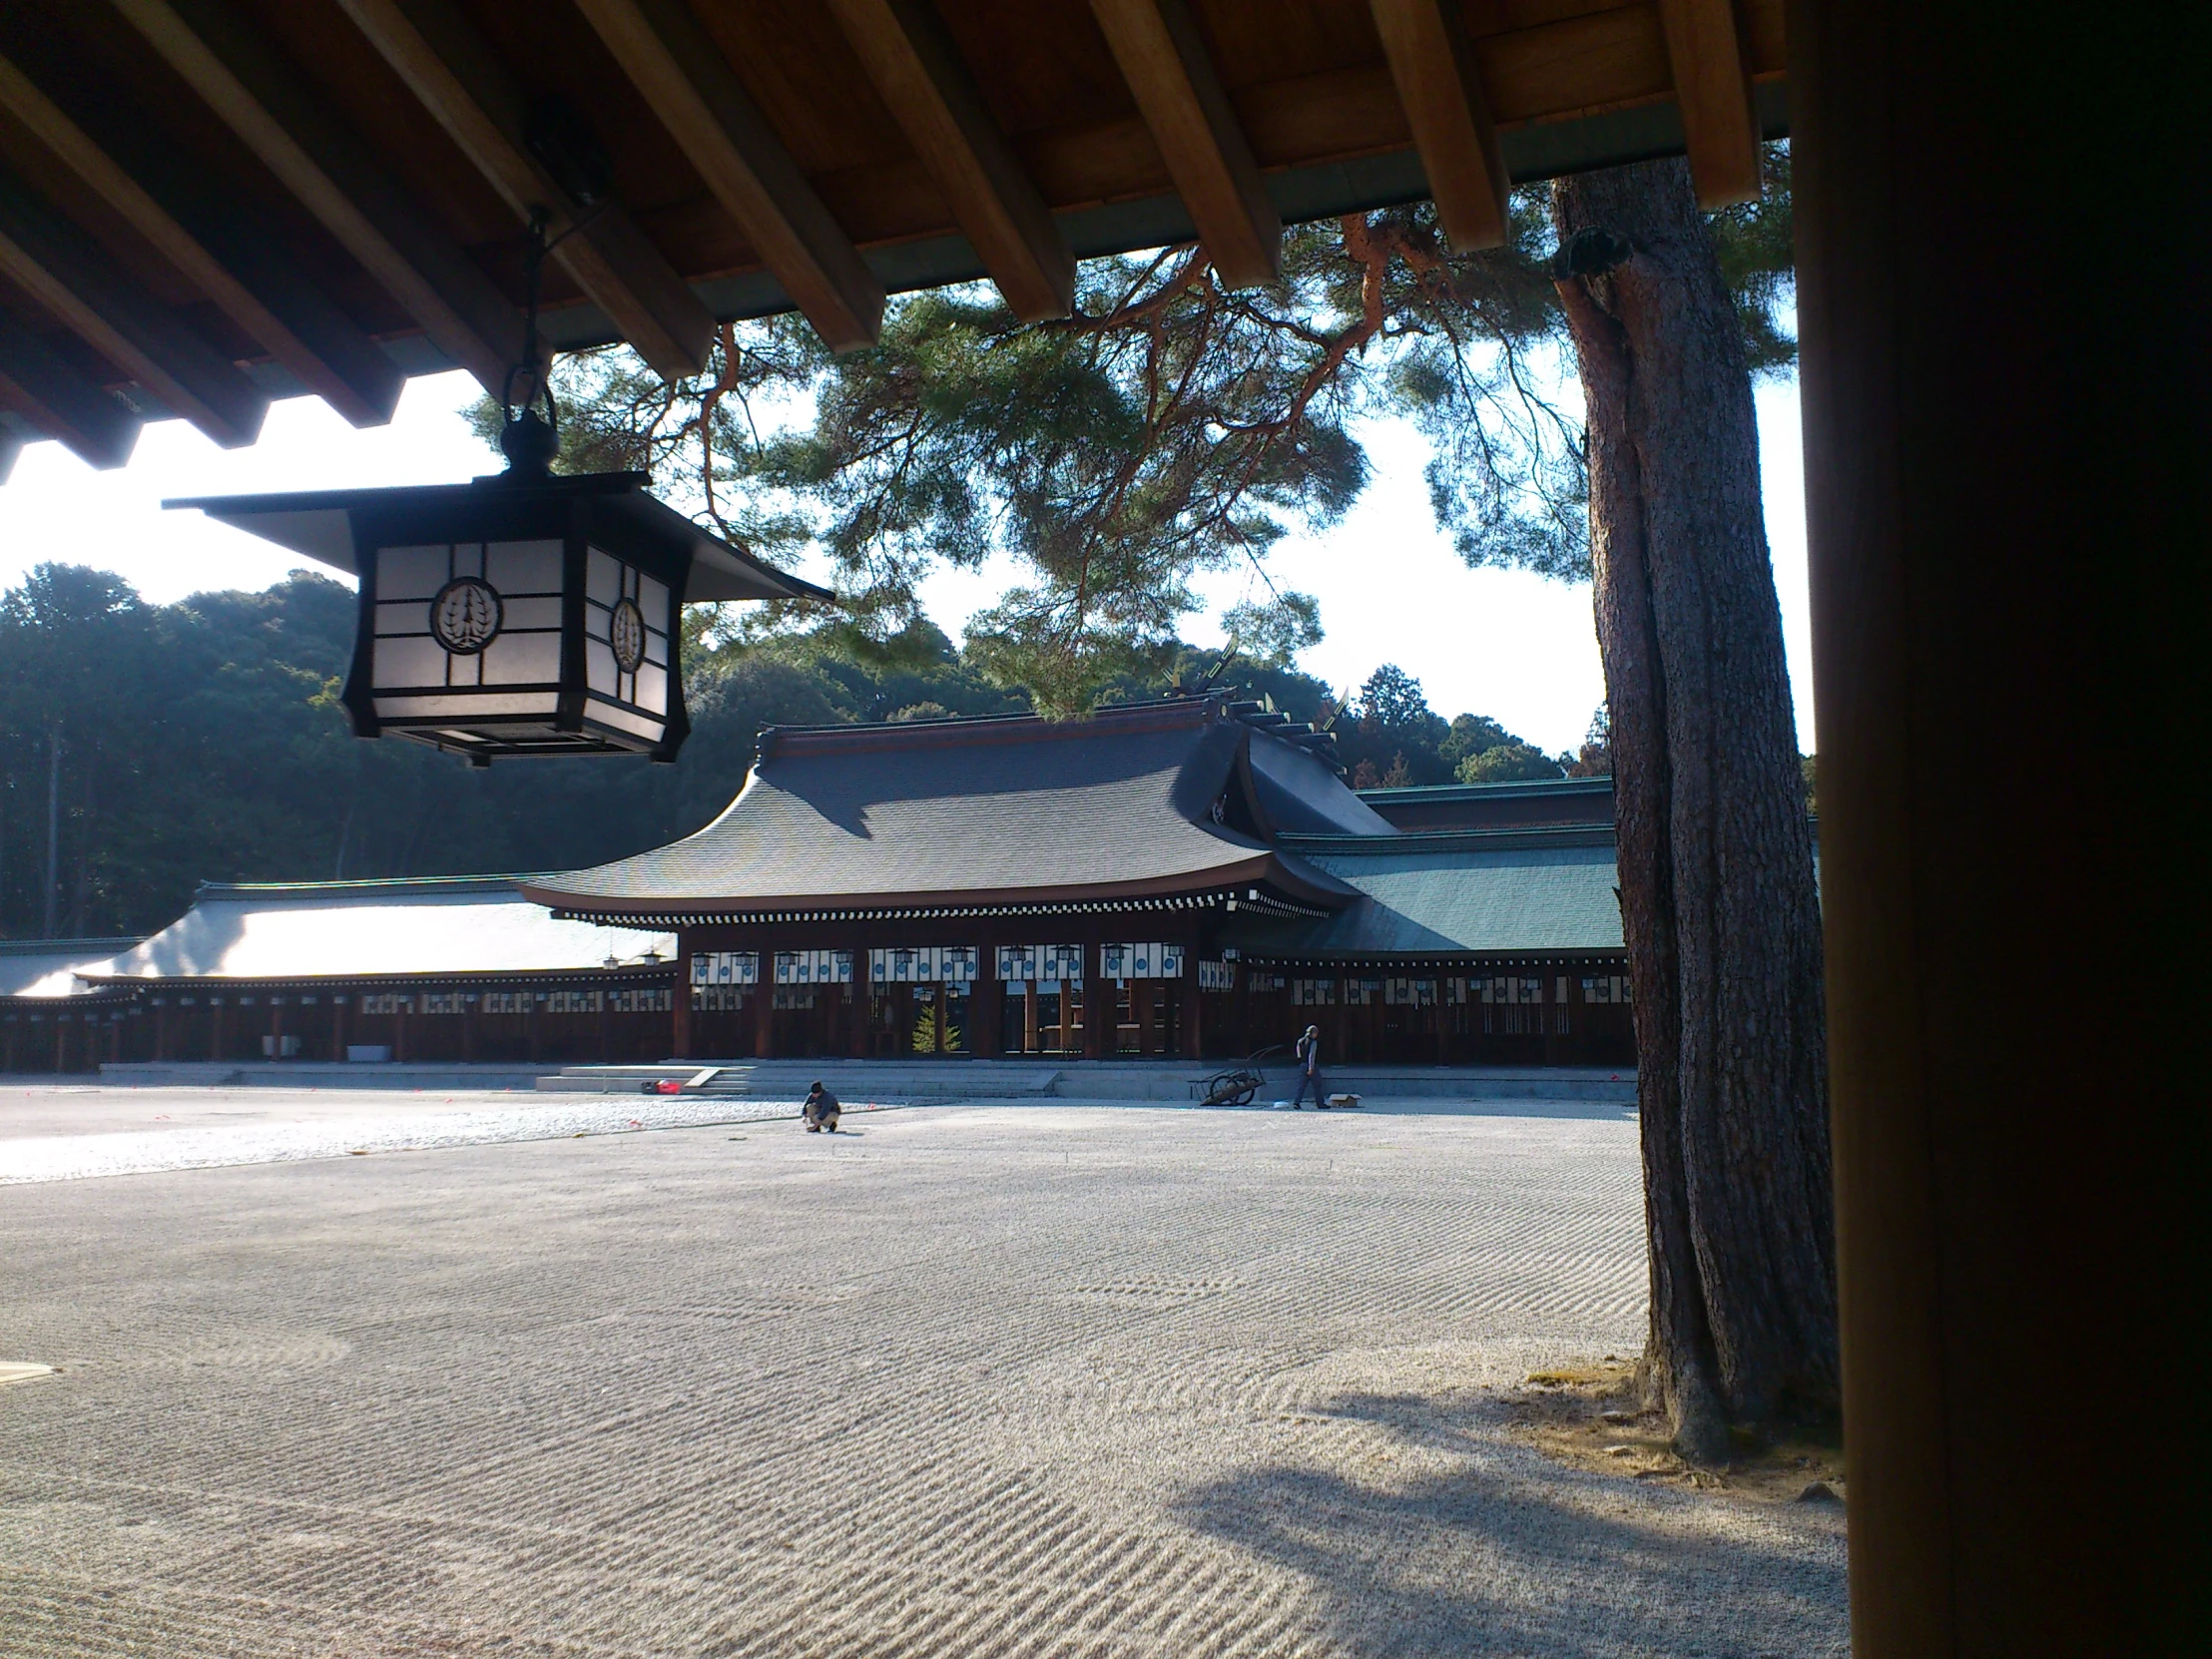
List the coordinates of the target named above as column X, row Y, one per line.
column 321, row 524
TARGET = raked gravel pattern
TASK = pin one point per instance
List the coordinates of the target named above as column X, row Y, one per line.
column 1023, row 1380
column 417, row 1128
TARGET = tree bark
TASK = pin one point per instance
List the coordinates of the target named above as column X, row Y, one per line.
column 1716, row 859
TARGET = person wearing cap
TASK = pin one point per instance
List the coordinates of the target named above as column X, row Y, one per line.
column 1308, row 1071
column 820, row 1111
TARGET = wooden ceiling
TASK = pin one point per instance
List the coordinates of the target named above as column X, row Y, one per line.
column 205, row 203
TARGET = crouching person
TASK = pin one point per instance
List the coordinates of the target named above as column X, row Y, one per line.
column 820, row 1110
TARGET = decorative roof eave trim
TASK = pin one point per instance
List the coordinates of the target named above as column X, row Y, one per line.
column 1550, row 955
column 1251, row 898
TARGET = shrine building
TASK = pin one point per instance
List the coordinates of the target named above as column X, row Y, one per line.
column 1189, row 878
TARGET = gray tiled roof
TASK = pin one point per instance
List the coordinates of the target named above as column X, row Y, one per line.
column 1117, row 805
column 313, row 929
column 1450, row 895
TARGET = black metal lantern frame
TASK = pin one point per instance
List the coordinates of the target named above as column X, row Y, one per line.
column 521, row 614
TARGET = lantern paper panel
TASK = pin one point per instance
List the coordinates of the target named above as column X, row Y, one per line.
column 467, row 629
column 628, row 621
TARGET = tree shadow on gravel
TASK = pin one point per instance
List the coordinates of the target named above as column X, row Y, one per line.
column 1505, row 1554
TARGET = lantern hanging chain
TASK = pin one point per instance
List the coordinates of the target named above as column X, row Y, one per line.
column 526, row 450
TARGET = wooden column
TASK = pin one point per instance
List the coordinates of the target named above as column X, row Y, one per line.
column 214, row 1028
column 161, row 1028
column 1099, row 1007
column 2005, row 381
column 764, row 998
column 399, row 1029
column 338, row 1004
column 277, row 1028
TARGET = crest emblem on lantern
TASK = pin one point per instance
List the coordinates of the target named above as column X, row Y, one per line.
column 626, row 635
column 466, row 615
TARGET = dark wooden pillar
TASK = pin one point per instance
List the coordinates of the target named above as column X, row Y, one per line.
column 399, row 1027
column 161, row 1028
column 764, row 1006
column 680, row 1016
column 2005, row 373
column 276, row 1027
column 338, row 1004
column 214, row 1028
column 1099, row 1007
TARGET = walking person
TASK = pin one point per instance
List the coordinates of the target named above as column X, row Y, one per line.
column 820, row 1110
column 1308, row 1071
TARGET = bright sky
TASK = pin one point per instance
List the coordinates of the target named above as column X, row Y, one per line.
column 1516, row 647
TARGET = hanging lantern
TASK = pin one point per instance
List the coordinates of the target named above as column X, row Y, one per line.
column 526, row 613
column 522, row 614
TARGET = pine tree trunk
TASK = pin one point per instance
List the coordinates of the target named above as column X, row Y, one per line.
column 1716, row 858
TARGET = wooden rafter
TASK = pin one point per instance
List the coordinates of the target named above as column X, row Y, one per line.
column 61, row 402
column 275, row 306
column 914, row 66
column 682, row 74
column 1162, row 58
column 74, row 279
column 1712, row 84
column 1432, row 64
column 278, row 116
column 448, row 66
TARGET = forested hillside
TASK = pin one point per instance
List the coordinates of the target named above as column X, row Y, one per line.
column 165, row 744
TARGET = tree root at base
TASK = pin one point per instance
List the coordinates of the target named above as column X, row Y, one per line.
column 1594, row 1418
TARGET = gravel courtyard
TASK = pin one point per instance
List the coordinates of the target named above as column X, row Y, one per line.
column 974, row 1380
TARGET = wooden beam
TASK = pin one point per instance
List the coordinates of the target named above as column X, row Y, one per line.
column 917, row 70
column 453, row 70
column 1432, row 60
column 1712, row 84
column 331, row 355
column 1164, row 61
column 713, row 120
column 76, row 279
column 61, row 402
column 278, row 116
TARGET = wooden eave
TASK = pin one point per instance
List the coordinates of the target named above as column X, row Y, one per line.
column 329, row 195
